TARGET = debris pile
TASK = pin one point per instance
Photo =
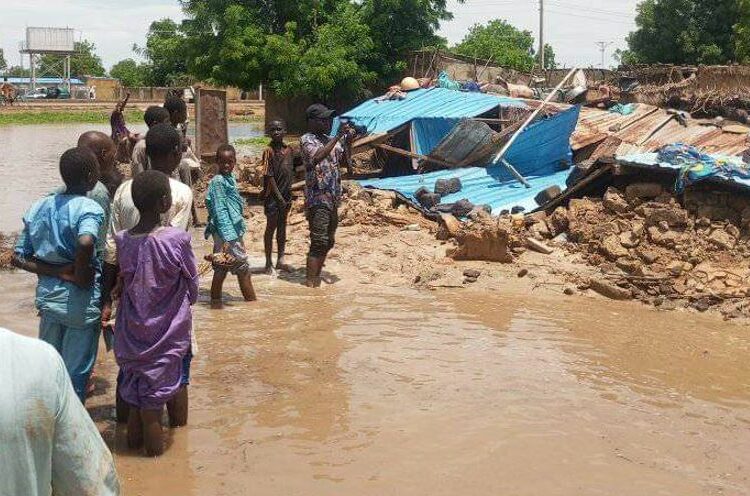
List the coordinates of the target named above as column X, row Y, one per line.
column 373, row 207
column 650, row 247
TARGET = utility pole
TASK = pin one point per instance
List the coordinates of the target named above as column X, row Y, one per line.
column 541, row 34
column 603, row 45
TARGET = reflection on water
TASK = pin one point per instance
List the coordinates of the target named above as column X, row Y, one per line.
column 402, row 392
column 30, row 157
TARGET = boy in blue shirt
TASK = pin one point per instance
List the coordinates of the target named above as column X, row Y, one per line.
column 58, row 244
column 227, row 226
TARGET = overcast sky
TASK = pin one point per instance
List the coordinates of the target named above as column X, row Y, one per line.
column 571, row 26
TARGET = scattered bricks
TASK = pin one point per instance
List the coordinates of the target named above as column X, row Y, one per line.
column 639, row 191
column 449, row 227
column 612, row 248
column 609, row 290
column 557, row 222
column 722, row 239
column 615, row 202
column 538, row 246
column 472, row 273
column 667, row 239
column 648, row 256
column 673, row 215
column 630, row 266
column 629, row 239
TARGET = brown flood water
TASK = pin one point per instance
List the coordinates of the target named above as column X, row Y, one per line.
column 375, row 390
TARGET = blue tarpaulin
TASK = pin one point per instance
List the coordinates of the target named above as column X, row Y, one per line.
column 537, row 155
column 385, row 116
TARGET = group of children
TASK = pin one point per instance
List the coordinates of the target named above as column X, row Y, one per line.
column 100, row 242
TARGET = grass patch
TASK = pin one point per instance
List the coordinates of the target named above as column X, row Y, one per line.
column 253, row 141
column 65, row 117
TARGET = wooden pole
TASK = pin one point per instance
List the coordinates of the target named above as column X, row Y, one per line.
column 499, row 157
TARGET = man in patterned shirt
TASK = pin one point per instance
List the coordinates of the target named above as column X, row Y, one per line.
column 323, row 155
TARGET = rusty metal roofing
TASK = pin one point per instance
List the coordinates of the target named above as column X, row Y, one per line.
column 649, row 128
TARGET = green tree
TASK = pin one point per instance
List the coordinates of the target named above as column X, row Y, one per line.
column 742, row 33
column 549, row 57
column 3, row 62
column 17, row 71
column 685, row 31
column 129, row 72
column 165, row 54
column 505, row 45
column 85, row 61
column 314, row 47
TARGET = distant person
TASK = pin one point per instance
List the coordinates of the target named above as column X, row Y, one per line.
column 58, row 244
column 50, row 445
column 139, row 161
column 124, row 140
column 154, row 319
column 226, row 225
column 8, row 91
column 163, row 148
column 278, row 163
column 189, row 165
column 92, row 93
column 323, row 156
column 105, row 151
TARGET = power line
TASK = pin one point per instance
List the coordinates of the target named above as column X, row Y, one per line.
column 603, row 45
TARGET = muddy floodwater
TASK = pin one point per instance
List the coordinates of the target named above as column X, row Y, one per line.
column 375, row 390
column 364, row 389
column 29, row 157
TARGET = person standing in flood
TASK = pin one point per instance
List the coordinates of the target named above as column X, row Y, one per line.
column 154, row 321
column 323, row 155
column 278, row 164
column 226, row 225
column 49, row 442
column 163, row 149
column 58, row 244
column 178, row 116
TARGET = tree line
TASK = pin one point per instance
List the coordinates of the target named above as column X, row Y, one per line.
column 345, row 47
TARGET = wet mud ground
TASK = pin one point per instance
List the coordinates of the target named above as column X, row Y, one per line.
column 372, row 389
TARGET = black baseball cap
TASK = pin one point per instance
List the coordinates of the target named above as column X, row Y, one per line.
column 319, row 111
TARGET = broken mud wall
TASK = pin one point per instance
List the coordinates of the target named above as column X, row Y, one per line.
column 708, row 91
column 211, row 121
column 292, row 109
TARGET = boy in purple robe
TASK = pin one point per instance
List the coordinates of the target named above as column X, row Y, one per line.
column 154, row 321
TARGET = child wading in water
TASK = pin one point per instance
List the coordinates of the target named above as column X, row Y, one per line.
column 154, row 321
column 58, row 244
column 278, row 175
column 227, row 226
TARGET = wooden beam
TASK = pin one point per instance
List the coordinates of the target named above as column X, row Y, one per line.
column 406, row 153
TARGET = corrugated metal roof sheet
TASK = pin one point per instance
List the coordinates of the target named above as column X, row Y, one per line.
column 648, row 129
column 536, row 155
column 385, row 116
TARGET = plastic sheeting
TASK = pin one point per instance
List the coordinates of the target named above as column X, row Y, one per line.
column 385, row 116
column 651, row 161
column 537, row 155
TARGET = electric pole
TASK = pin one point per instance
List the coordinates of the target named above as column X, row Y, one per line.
column 603, row 45
column 541, row 34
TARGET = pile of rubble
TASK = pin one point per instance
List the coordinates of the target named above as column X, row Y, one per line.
column 641, row 242
column 656, row 250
